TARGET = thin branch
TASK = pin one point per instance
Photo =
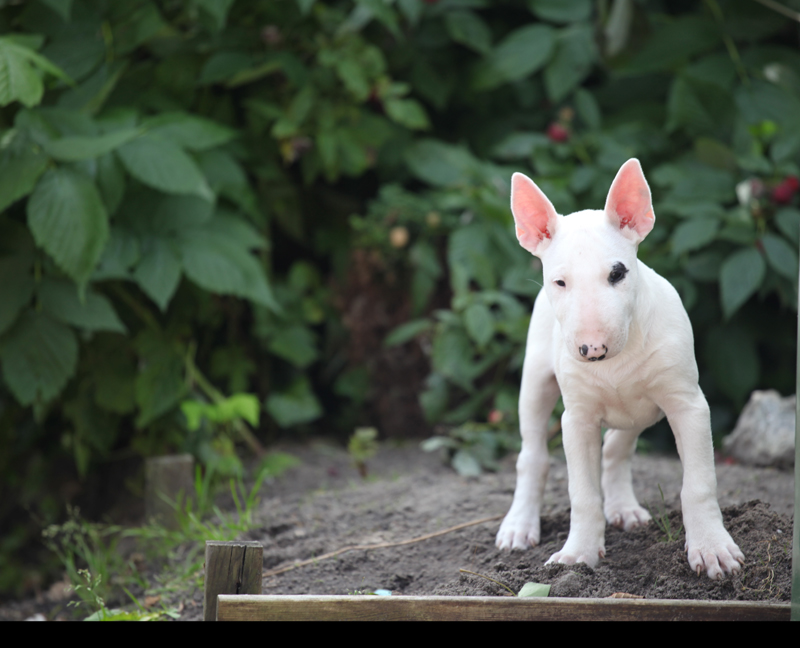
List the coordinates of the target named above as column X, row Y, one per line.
column 489, row 578
column 381, row 545
column 777, row 6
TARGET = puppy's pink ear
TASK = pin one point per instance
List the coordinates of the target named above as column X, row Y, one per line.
column 629, row 205
column 534, row 215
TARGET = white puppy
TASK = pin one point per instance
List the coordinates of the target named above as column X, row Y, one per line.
column 614, row 339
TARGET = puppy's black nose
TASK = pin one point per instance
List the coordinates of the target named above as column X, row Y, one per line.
column 594, row 358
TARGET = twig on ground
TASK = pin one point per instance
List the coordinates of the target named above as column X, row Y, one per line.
column 380, row 545
column 489, row 578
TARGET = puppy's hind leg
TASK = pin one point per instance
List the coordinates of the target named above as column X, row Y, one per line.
column 620, row 505
column 538, row 395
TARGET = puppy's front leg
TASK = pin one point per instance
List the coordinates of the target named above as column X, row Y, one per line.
column 709, row 545
column 586, row 540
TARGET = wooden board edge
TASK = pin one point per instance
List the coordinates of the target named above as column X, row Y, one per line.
column 486, row 608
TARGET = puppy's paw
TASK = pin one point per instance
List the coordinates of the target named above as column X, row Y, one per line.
column 590, row 554
column 518, row 531
column 627, row 517
column 714, row 552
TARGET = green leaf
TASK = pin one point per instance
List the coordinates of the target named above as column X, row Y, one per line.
column 465, row 464
column 740, row 276
column 217, row 9
column 221, row 264
column 677, row 41
column 787, row 220
column 39, row 356
column 440, row 164
column 305, row 6
column 479, row 323
column 407, row 112
column 74, row 148
column 561, row 11
column 159, row 270
column 62, row 7
column 698, row 105
column 534, row 589
column 67, row 218
column 467, row 28
column 521, row 53
column 16, row 288
column 296, row 344
column 239, row 406
column 111, row 181
column 573, row 60
column 406, row 332
column 61, row 301
column 161, row 164
column 20, row 79
column 121, row 253
column 189, row 131
column 434, row 399
column 382, row 12
column 780, row 256
column 21, row 164
column 693, row 234
column 732, row 357
column 588, row 109
column 452, row 356
column 159, row 385
column 296, row 405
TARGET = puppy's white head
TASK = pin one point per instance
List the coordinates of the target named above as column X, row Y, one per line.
column 589, row 259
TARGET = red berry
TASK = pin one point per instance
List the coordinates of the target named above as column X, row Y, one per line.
column 785, row 191
column 495, row 416
column 557, row 133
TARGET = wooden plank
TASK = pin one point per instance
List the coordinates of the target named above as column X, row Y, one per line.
column 488, row 608
column 231, row 568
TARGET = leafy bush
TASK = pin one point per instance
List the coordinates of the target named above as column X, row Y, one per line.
column 185, row 185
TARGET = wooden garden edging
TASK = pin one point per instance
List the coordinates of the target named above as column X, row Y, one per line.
column 488, row 608
column 233, row 586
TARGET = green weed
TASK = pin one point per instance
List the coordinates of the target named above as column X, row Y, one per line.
column 88, row 589
column 662, row 520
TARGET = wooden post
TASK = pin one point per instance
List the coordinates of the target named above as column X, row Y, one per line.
column 167, row 477
column 231, row 568
column 796, row 531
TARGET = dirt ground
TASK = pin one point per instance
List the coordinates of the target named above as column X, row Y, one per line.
column 322, row 505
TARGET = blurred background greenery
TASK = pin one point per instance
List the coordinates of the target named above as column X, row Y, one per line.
column 227, row 222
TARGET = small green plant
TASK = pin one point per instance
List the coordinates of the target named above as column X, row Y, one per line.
column 86, row 546
column 87, row 590
column 662, row 520
column 475, row 447
column 362, row 446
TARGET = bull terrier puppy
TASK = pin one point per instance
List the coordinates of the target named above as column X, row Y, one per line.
column 613, row 338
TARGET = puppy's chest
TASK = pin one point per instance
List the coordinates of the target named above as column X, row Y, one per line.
column 612, row 401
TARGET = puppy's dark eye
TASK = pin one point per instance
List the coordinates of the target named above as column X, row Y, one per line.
column 618, row 273
column 560, row 282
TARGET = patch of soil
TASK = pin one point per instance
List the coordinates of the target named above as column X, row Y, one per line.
column 322, row 506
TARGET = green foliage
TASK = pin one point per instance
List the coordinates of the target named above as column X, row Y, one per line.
column 91, row 552
column 189, row 180
column 475, row 447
